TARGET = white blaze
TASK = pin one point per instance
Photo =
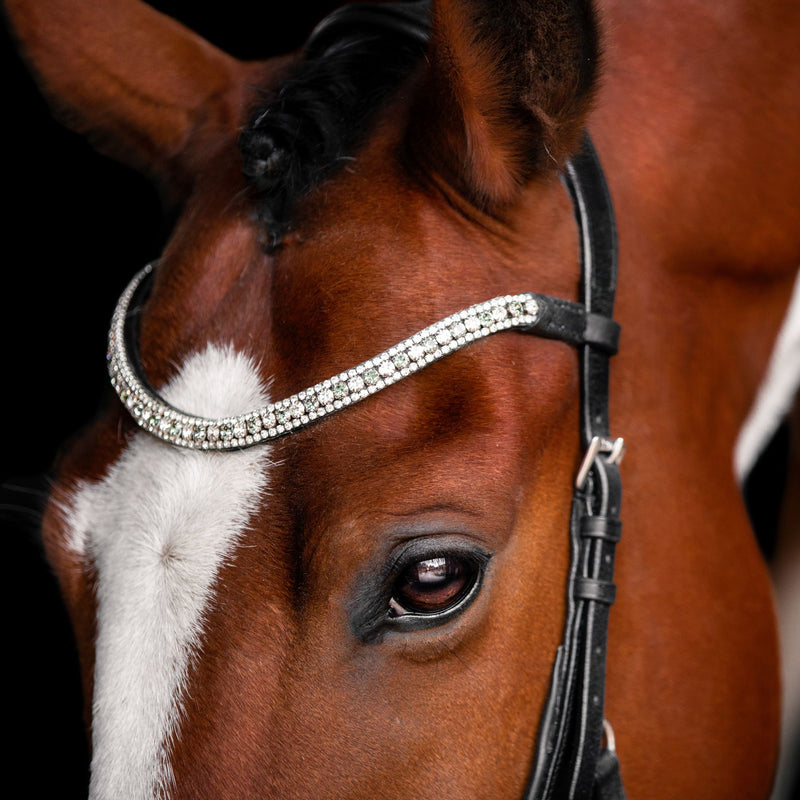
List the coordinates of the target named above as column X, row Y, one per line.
column 158, row 528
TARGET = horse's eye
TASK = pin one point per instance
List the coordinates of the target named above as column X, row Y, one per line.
column 433, row 585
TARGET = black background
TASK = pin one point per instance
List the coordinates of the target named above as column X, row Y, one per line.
column 76, row 228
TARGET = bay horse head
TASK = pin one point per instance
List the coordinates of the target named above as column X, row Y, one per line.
column 318, row 542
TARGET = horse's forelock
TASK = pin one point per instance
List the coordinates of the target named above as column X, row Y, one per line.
column 314, row 123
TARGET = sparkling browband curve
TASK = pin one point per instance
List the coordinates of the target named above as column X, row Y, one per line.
column 272, row 421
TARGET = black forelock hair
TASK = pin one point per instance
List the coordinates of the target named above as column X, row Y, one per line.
column 317, row 119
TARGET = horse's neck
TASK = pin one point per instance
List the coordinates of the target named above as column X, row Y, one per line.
column 697, row 124
column 700, row 112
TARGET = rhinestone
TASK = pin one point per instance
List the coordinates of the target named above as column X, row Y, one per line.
column 254, row 425
column 311, row 403
column 297, row 409
column 176, row 428
column 457, row 329
column 400, row 360
column 326, row 396
column 371, row 377
column 485, row 318
column 416, row 352
column 430, row 345
column 199, row 434
column 472, row 324
column 386, row 368
column 226, row 431
column 532, row 308
column 212, row 433
column 499, row 313
column 239, row 429
column 356, row 384
column 340, row 390
column 443, row 336
column 270, row 420
column 188, row 432
column 515, row 308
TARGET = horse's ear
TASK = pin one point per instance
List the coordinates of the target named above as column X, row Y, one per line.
column 505, row 93
column 144, row 89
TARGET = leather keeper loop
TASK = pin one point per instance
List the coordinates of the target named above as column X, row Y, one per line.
column 591, row 589
column 602, row 332
column 606, row 528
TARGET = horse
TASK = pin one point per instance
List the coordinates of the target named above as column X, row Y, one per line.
column 373, row 600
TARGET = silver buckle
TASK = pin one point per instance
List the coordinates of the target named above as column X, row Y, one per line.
column 608, row 733
column 615, row 449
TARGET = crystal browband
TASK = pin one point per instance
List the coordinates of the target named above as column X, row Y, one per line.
column 543, row 315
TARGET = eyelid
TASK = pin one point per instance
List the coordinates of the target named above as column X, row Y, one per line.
column 428, row 547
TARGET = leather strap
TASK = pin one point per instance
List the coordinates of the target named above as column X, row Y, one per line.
column 608, row 785
column 569, row 754
column 571, row 323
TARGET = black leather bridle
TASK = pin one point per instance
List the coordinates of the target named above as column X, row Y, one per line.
column 575, row 757
column 571, row 761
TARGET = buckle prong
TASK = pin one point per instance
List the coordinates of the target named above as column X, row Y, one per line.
column 615, row 448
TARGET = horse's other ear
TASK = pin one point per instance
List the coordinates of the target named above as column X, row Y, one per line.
column 141, row 87
column 505, row 93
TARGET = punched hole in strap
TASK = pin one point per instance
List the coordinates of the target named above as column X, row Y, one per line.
column 598, row 527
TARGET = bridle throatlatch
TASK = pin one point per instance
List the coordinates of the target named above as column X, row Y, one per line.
column 571, row 761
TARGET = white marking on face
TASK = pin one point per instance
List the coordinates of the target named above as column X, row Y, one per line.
column 158, row 528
